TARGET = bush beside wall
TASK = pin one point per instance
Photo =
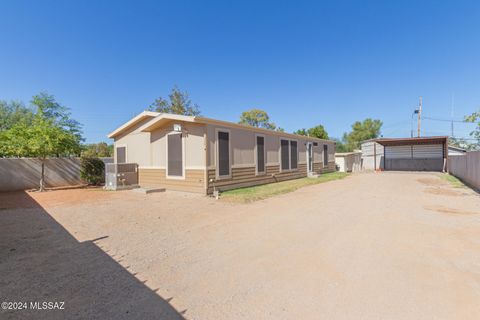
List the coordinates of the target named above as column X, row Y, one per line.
column 92, row 170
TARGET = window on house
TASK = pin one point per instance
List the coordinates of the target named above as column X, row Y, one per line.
column 293, row 155
column 325, row 155
column 223, row 153
column 284, row 155
column 175, row 155
column 121, row 154
column 260, row 154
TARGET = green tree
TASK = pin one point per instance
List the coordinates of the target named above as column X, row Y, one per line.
column 462, row 143
column 317, row 132
column 12, row 113
column 178, row 103
column 361, row 131
column 475, row 117
column 257, row 118
column 301, row 132
column 97, row 150
column 340, row 146
column 46, row 106
column 51, row 133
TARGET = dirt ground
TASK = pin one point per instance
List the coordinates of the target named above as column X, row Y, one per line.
column 371, row 246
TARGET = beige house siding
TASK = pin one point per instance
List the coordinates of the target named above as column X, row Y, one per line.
column 137, row 144
column 319, row 168
column 194, row 146
column 194, row 180
column 242, row 154
column 242, row 143
column 148, row 150
column 272, row 144
column 245, row 177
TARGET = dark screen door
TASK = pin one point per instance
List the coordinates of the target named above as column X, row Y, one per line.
column 223, row 154
column 175, row 155
column 260, row 154
column 325, row 155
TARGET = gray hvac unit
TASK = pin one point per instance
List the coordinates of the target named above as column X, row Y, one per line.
column 120, row 176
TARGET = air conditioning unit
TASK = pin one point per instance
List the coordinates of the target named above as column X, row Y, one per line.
column 120, row 176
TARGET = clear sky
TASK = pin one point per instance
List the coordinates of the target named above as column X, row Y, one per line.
column 305, row 63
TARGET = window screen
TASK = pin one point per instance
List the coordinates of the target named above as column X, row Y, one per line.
column 284, row 154
column 293, row 155
column 223, row 154
column 121, row 154
column 260, row 154
column 325, row 154
column 175, row 155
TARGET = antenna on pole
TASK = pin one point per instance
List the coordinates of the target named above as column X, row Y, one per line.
column 419, row 116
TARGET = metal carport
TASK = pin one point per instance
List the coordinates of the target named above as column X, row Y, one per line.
column 414, row 154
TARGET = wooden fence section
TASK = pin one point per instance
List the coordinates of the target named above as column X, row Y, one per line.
column 24, row 173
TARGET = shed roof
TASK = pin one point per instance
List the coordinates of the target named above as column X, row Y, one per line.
column 346, row 154
column 457, row 149
column 410, row 141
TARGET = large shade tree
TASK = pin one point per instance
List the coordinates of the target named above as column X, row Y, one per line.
column 361, row 131
column 97, row 150
column 51, row 132
column 317, row 132
column 178, row 102
column 257, row 118
column 12, row 113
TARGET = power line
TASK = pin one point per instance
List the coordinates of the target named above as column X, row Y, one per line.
column 446, row 120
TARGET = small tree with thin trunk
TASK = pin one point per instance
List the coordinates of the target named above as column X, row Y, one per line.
column 50, row 133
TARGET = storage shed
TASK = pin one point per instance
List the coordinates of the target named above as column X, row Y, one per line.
column 406, row 154
column 348, row 161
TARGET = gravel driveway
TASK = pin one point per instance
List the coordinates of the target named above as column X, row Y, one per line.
column 371, row 246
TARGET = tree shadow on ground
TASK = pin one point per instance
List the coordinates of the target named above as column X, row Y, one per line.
column 41, row 261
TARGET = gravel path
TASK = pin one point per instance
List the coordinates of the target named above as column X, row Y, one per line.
column 371, row 246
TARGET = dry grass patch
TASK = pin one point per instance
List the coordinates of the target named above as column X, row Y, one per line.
column 269, row 190
column 452, row 180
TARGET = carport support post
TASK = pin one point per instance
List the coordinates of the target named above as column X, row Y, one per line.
column 374, row 156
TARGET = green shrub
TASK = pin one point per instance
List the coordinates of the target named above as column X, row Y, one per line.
column 92, row 170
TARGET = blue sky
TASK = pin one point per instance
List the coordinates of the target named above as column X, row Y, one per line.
column 305, row 63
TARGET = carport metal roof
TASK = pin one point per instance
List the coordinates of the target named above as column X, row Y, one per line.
column 410, row 141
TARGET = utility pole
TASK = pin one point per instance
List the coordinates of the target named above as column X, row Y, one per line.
column 419, row 116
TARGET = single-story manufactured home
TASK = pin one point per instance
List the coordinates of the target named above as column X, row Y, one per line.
column 198, row 154
column 405, row 154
